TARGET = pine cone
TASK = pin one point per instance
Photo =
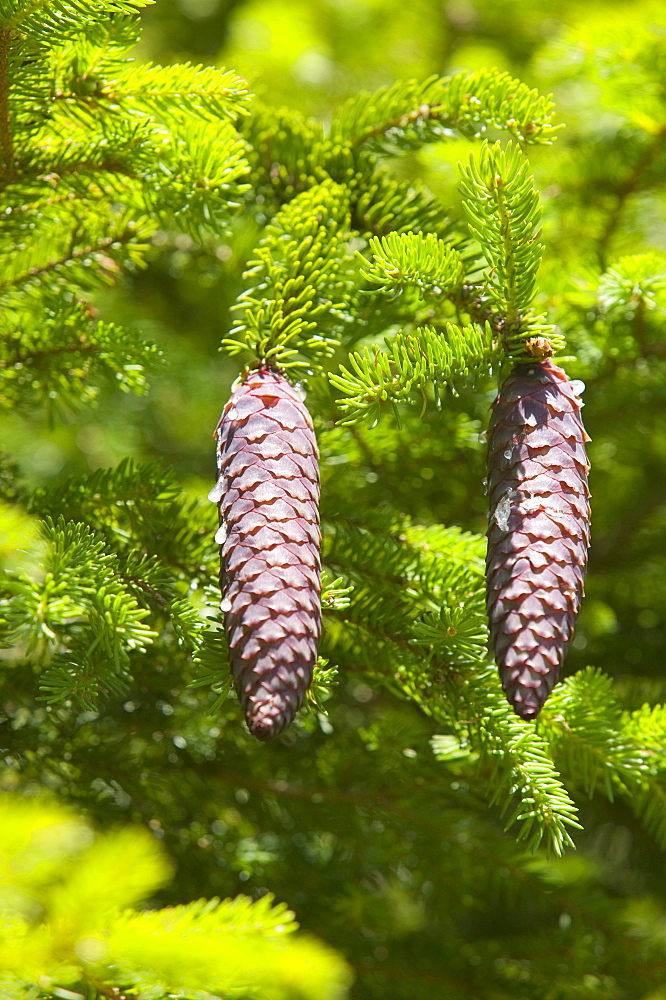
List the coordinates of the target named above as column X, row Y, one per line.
column 538, row 534
column 268, row 494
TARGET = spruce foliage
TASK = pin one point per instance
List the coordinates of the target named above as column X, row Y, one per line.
column 68, row 923
column 407, row 812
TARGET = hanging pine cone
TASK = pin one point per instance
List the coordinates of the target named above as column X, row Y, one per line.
column 268, row 495
column 539, row 529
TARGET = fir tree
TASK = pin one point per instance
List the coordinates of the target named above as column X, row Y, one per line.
column 411, row 819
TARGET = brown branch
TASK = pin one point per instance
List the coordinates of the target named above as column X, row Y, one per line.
column 365, row 448
column 615, row 548
column 111, row 166
column 6, row 143
column 639, row 327
column 407, row 118
column 35, row 357
column 473, row 300
column 148, row 589
column 622, row 193
column 38, row 206
column 379, row 634
column 392, row 803
column 112, row 992
column 73, row 255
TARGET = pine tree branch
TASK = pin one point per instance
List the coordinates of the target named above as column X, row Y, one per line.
column 80, row 253
column 148, row 589
column 34, row 358
column 504, row 217
column 299, row 283
column 473, row 300
column 408, row 363
column 411, row 112
column 26, row 12
column 34, row 207
column 382, row 634
column 110, row 166
column 407, row 118
column 47, row 22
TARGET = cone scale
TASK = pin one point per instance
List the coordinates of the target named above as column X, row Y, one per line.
column 538, row 533
column 268, row 496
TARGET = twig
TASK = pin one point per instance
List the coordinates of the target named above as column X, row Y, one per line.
column 148, row 589
column 623, row 191
column 113, row 992
column 424, row 111
column 6, row 143
column 34, row 357
column 77, row 254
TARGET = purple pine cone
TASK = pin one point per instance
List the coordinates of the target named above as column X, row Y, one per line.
column 268, row 494
column 539, row 532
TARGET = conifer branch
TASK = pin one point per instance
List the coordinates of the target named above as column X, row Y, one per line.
column 414, row 117
column 36, row 358
column 124, row 237
column 299, row 283
column 48, row 23
column 166, row 90
column 436, row 605
column 87, row 890
column 112, row 165
column 59, row 358
column 409, row 113
column 146, row 587
column 424, row 261
column 39, row 204
column 409, row 362
column 503, row 211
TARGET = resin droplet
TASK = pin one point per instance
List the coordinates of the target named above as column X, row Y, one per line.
column 225, row 605
column 217, row 491
column 221, row 534
column 502, row 512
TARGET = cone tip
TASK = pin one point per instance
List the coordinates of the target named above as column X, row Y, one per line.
column 528, row 711
column 264, row 729
column 265, row 723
